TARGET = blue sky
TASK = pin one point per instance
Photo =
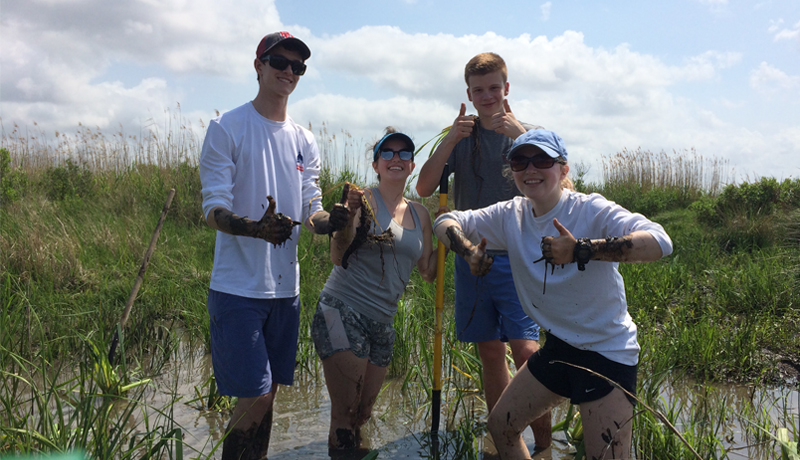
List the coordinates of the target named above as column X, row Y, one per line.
column 721, row 77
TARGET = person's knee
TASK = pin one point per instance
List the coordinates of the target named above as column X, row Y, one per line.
column 500, row 427
column 249, row 411
column 492, row 350
column 523, row 347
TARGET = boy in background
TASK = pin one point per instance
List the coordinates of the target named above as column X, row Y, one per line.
column 487, row 309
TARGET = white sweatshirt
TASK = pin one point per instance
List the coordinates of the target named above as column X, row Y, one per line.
column 246, row 157
column 586, row 309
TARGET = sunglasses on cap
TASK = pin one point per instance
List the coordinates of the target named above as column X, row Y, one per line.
column 278, row 62
column 520, row 162
column 388, row 154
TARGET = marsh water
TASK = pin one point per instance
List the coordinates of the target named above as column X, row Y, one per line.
column 401, row 419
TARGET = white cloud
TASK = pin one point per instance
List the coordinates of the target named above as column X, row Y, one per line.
column 774, row 25
column 57, row 58
column 546, row 7
column 780, row 33
column 56, row 55
column 423, row 65
column 768, row 80
column 560, row 83
column 729, row 104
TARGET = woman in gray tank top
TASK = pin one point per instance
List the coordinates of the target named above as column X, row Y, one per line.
column 352, row 327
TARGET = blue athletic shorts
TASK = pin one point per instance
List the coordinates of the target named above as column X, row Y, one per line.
column 487, row 307
column 253, row 342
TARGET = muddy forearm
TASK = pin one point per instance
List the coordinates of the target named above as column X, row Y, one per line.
column 479, row 262
column 228, row 222
column 341, row 240
column 273, row 227
column 449, row 232
column 320, row 222
column 458, row 242
column 638, row 246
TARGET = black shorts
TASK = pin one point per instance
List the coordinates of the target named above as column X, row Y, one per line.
column 577, row 384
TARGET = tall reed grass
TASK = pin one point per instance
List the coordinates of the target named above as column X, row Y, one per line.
column 648, row 182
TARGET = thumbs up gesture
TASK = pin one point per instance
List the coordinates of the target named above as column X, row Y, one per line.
column 273, row 227
column 504, row 122
column 462, row 126
column 559, row 250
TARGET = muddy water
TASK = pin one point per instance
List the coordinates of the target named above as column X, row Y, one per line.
column 400, row 419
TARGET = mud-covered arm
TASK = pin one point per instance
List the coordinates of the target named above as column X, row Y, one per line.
column 319, row 222
column 272, row 227
column 341, row 239
column 326, row 223
column 450, row 233
column 637, row 246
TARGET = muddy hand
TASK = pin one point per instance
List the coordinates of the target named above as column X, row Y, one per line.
column 559, row 250
column 479, row 261
column 441, row 210
column 275, row 228
column 504, row 122
column 354, row 200
column 339, row 215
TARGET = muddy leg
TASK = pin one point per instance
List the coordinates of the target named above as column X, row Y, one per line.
column 344, row 377
column 525, row 399
column 261, row 440
column 542, row 429
column 522, row 349
column 251, row 444
column 234, row 445
column 248, row 439
column 345, row 439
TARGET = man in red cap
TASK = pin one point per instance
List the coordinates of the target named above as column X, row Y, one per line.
column 256, row 158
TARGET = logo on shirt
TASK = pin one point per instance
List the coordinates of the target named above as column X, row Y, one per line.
column 300, row 164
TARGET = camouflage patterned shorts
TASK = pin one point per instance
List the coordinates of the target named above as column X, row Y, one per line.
column 337, row 327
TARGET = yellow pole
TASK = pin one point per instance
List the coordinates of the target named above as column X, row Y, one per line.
column 436, row 395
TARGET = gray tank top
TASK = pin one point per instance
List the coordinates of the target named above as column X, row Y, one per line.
column 372, row 286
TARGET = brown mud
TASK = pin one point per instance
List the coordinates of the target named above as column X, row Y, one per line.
column 364, row 236
column 250, row 444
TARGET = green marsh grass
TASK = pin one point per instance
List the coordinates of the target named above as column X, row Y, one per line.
column 76, row 213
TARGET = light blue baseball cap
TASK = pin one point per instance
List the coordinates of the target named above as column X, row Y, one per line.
column 546, row 140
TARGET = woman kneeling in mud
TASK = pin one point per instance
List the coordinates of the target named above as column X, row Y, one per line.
column 352, row 327
column 581, row 239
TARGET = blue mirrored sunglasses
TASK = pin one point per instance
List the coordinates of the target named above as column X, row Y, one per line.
column 405, row 155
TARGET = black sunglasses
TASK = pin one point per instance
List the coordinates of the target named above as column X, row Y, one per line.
column 405, row 155
column 278, row 62
column 520, row 162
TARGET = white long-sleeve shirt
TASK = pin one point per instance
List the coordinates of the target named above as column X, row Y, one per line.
column 246, row 157
column 586, row 309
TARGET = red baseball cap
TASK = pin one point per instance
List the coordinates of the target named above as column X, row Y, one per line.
column 281, row 38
